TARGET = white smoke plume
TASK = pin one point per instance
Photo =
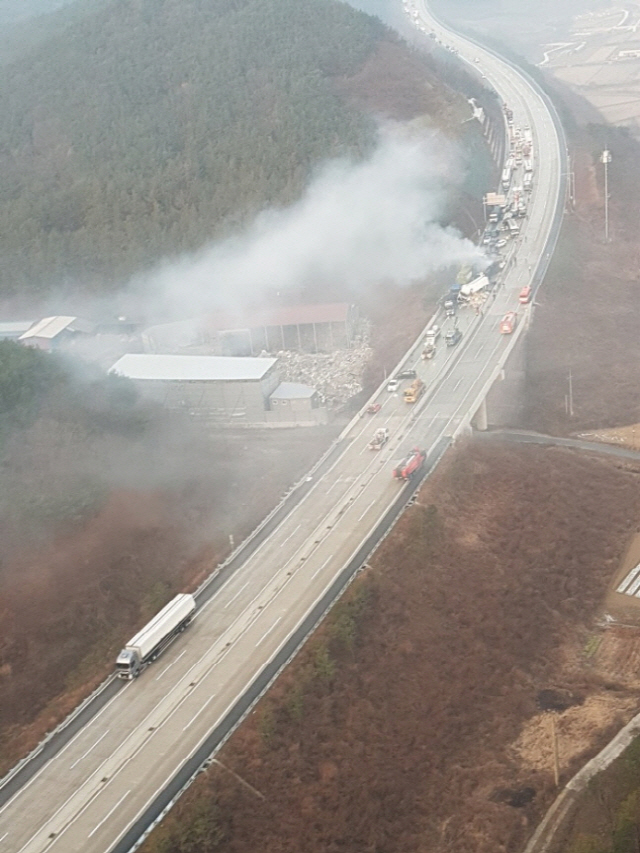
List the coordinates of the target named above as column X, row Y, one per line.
column 357, row 224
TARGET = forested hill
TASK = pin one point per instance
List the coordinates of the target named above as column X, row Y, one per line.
column 149, row 126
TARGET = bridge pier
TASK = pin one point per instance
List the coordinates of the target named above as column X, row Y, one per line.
column 504, row 402
column 481, row 419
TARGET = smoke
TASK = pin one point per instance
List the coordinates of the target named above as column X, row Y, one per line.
column 357, row 224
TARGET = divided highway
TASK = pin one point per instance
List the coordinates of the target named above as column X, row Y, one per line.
column 94, row 793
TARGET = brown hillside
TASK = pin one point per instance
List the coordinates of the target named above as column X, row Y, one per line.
column 412, row 719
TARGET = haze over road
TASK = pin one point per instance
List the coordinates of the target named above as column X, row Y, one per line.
column 94, row 789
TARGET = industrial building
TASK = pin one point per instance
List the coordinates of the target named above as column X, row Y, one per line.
column 294, row 403
column 51, row 332
column 11, row 330
column 303, row 328
column 224, row 390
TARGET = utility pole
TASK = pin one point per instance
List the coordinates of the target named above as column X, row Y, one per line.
column 572, row 183
column 554, row 746
column 570, row 394
column 605, row 159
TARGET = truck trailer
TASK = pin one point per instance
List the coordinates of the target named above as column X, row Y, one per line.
column 156, row 636
column 474, row 286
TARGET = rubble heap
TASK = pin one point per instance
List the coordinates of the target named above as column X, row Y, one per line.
column 337, row 376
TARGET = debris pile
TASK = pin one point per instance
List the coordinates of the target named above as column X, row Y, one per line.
column 337, row 376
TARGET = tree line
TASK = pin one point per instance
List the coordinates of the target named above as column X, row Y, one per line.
column 145, row 129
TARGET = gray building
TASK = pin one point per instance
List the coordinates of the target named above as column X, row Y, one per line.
column 52, row 332
column 223, row 389
column 219, row 387
column 295, row 404
column 303, row 328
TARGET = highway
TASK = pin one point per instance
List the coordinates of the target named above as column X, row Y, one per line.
column 89, row 795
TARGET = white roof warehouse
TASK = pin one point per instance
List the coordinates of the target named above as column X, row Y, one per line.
column 222, row 389
column 192, row 368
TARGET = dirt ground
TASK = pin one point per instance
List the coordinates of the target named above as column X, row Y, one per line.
column 600, row 59
column 591, row 46
column 417, row 718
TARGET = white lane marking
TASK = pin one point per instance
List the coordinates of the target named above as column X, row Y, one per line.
column 457, row 383
column 284, row 541
column 479, row 351
column 169, row 665
column 107, row 816
column 360, row 517
column 78, row 760
column 197, row 714
column 4, row 836
column 266, row 633
column 64, row 748
column 231, row 600
column 334, row 484
column 321, row 567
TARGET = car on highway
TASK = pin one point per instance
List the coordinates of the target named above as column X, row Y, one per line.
column 501, row 243
column 373, row 409
column 393, row 384
column 406, row 374
column 453, row 337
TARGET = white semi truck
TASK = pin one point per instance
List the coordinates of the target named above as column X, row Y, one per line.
column 479, row 283
column 156, row 636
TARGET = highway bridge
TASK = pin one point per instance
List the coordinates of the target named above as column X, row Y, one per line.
column 99, row 783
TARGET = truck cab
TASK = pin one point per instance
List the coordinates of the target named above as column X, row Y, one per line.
column 525, row 295
column 432, row 335
column 128, row 664
column 508, row 323
column 380, row 438
column 453, row 337
column 428, row 352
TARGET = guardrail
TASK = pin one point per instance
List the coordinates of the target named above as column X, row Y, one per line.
column 36, row 751
column 204, row 754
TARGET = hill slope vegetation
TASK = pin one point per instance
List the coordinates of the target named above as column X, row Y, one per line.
column 145, row 129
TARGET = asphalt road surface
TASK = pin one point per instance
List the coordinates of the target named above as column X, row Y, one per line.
column 94, row 790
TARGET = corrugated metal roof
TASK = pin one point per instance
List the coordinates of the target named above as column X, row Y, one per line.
column 191, row 368
column 292, row 391
column 48, row 328
column 14, row 328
